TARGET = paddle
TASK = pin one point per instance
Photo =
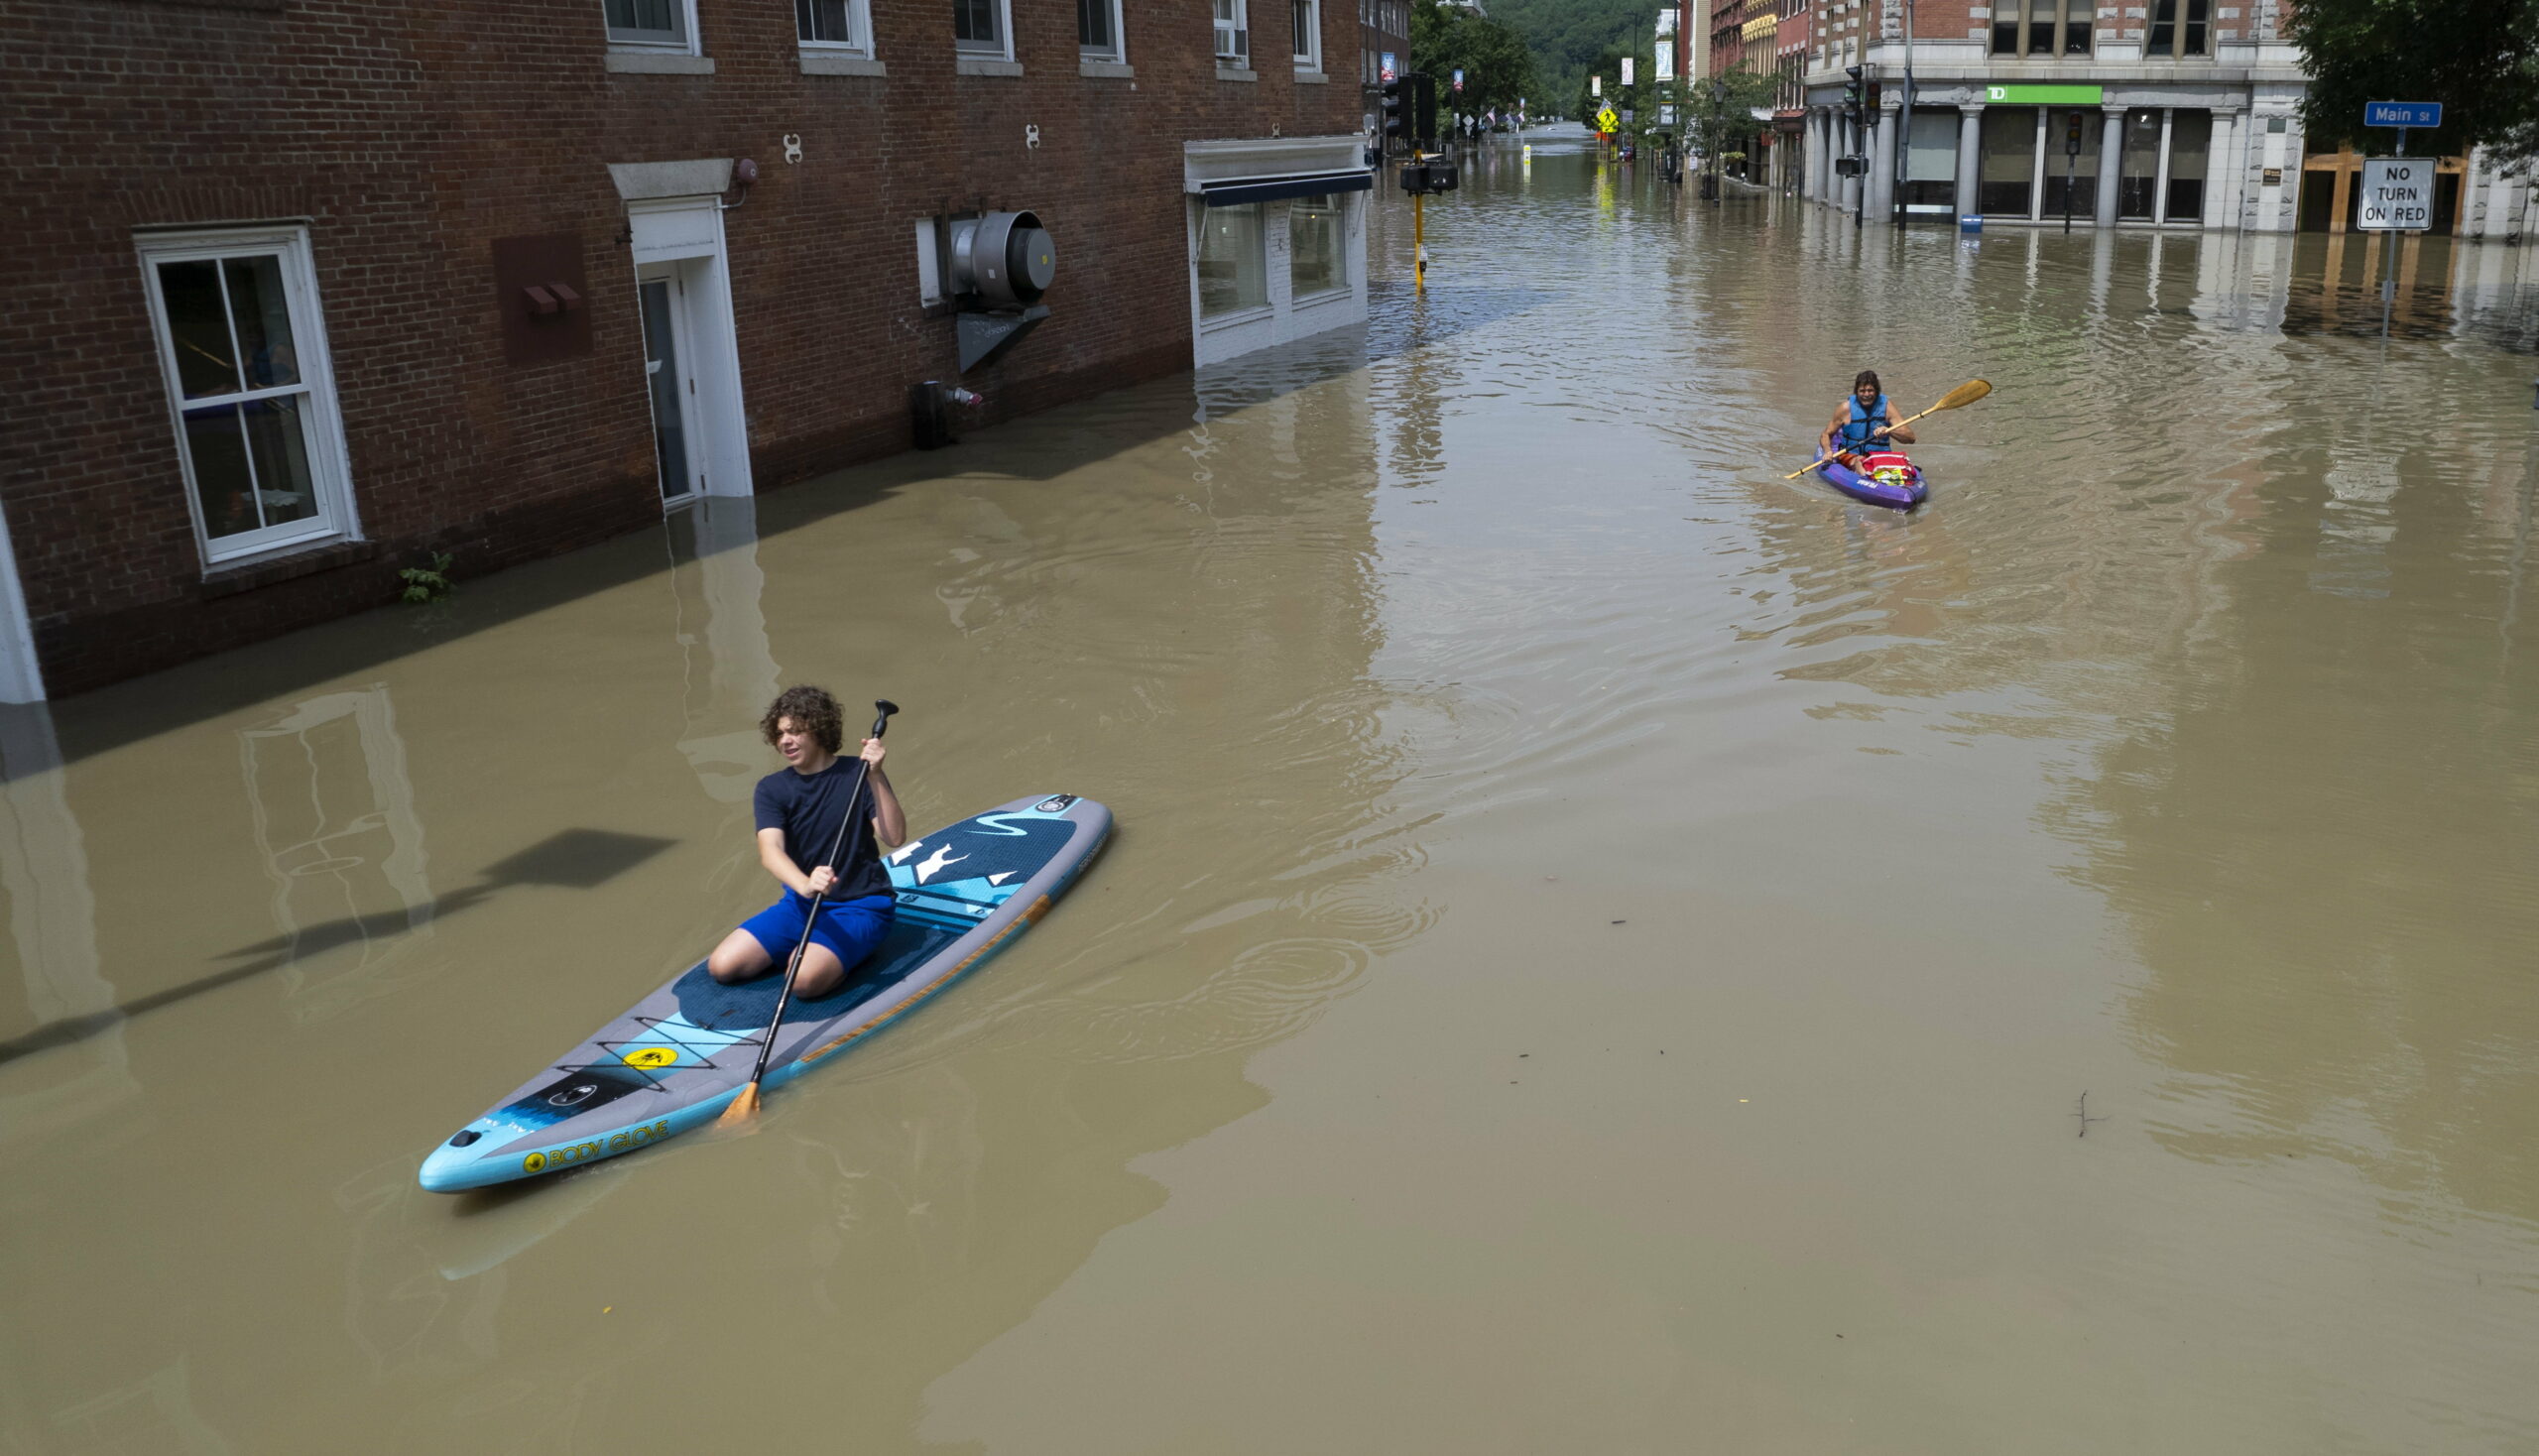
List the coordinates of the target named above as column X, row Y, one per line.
column 744, row 1104
column 1965, row 394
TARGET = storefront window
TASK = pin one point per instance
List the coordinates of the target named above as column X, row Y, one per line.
column 2072, row 182
column 2138, row 174
column 1233, row 273
column 1315, row 263
column 2007, row 149
column 1930, row 160
column 2190, row 143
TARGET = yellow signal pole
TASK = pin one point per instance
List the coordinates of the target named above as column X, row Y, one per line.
column 1419, row 242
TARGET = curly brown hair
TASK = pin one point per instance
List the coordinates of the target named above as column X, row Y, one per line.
column 813, row 708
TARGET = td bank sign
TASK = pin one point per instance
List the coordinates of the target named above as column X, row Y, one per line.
column 2045, row 95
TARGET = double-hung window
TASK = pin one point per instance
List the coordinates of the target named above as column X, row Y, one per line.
column 2180, row 34
column 1097, row 29
column 841, row 27
column 651, row 24
column 1234, row 40
column 1308, row 27
column 250, row 391
column 979, row 29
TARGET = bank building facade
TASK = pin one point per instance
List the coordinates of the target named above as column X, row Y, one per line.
column 2165, row 114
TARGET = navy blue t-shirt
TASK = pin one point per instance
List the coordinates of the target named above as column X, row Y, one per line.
column 807, row 807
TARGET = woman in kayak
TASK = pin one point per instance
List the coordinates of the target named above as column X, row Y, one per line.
column 799, row 809
column 1862, row 424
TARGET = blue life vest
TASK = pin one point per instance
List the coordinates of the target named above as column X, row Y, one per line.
column 1856, row 435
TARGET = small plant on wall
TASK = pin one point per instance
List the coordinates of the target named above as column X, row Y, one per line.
column 426, row 583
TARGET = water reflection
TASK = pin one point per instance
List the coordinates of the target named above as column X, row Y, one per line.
column 53, row 926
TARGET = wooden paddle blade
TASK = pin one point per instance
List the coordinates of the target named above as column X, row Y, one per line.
column 744, row 1108
column 1965, row 394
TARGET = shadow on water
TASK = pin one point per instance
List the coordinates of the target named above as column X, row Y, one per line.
column 574, row 859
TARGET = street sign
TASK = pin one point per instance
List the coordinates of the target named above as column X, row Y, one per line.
column 1607, row 121
column 2402, row 113
column 2397, row 194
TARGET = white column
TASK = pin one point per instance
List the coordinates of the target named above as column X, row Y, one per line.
column 2160, row 180
column 2036, row 169
column 1881, row 164
column 1970, row 159
column 2224, row 170
column 2111, row 153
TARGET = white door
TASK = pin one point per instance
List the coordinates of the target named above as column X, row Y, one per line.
column 670, row 374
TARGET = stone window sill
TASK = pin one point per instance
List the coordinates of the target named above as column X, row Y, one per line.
column 658, row 62
column 231, row 580
column 824, row 62
column 1306, row 77
column 1226, row 73
column 985, row 66
column 1109, row 71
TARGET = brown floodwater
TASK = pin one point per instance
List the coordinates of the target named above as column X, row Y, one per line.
column 1604, row 949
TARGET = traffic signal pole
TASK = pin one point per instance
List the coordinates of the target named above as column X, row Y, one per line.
column 1420, row 242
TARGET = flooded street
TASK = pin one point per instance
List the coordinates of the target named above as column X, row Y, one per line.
column 1604, row 949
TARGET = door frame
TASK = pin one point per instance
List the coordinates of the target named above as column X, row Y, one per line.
column 682, row 334
column 21, row 674
column 687, row 233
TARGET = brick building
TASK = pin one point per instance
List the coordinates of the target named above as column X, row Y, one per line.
column 310, row 289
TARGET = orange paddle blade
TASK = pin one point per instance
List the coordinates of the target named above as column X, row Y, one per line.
column 744, row 1108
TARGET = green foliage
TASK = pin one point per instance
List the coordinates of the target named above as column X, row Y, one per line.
column 2478, row 57
column 426, row 583
column 1721, row 109
column 1499, row 69
column 1573, row 38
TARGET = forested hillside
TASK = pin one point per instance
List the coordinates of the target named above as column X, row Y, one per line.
column 1570, row 37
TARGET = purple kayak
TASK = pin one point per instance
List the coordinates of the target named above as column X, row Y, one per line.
column 1904, row 496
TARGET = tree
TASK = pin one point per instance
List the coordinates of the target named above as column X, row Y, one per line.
column 1719, row 110
column 1607, row 64
column 2478, row 57
column 1499, row 69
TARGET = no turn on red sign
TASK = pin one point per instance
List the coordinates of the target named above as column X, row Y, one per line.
column 2397, row 194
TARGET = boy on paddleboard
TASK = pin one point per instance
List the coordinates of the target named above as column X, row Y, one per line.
column 799, row 809
column 1862, row 425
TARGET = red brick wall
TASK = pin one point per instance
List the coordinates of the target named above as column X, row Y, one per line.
column 412, row 136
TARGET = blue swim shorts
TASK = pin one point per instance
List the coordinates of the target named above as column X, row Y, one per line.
column 849, row 928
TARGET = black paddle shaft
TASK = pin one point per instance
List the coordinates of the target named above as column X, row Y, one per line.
column 883, row 709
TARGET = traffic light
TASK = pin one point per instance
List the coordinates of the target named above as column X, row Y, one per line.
column 2072, row 135
column 1423, row 109
column 1851, row 92
column 1396, row 120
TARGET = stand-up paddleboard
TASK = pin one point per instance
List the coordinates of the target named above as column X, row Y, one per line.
column 677, row 1059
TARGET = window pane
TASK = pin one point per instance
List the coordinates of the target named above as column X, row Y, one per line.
column 1234, row 272
column 1313, row 243
column 262, row 316
column 2196, row 13
column 2190, row 145
column 2040, row 26
column 2076, row 26
column 216, row 447
column 2140, row 170
column 1304, row 29
column 278, row 442
column 1093, row 24
column 657, row 16
column 974, row 23
column 824, row 20
column 2164, row 27
column 2007, row 152
column 199, row 329
column 2072, row 178
column 2005, row 37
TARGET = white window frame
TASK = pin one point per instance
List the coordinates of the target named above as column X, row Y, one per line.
column 329, row 477
column 1238, row 27
column 680, row 40
column 1002, row 46
column 1308, row 60
column 859, row 22
column 1117, row 52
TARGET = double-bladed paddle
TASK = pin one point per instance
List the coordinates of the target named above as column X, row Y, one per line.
column 744, row 1104
column 1965, row 394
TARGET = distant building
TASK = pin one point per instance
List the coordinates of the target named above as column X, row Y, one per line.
column 308, row 291
column 2175, row 113
column 1384, row 29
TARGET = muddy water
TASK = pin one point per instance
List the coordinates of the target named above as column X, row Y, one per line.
column 1604, row 949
